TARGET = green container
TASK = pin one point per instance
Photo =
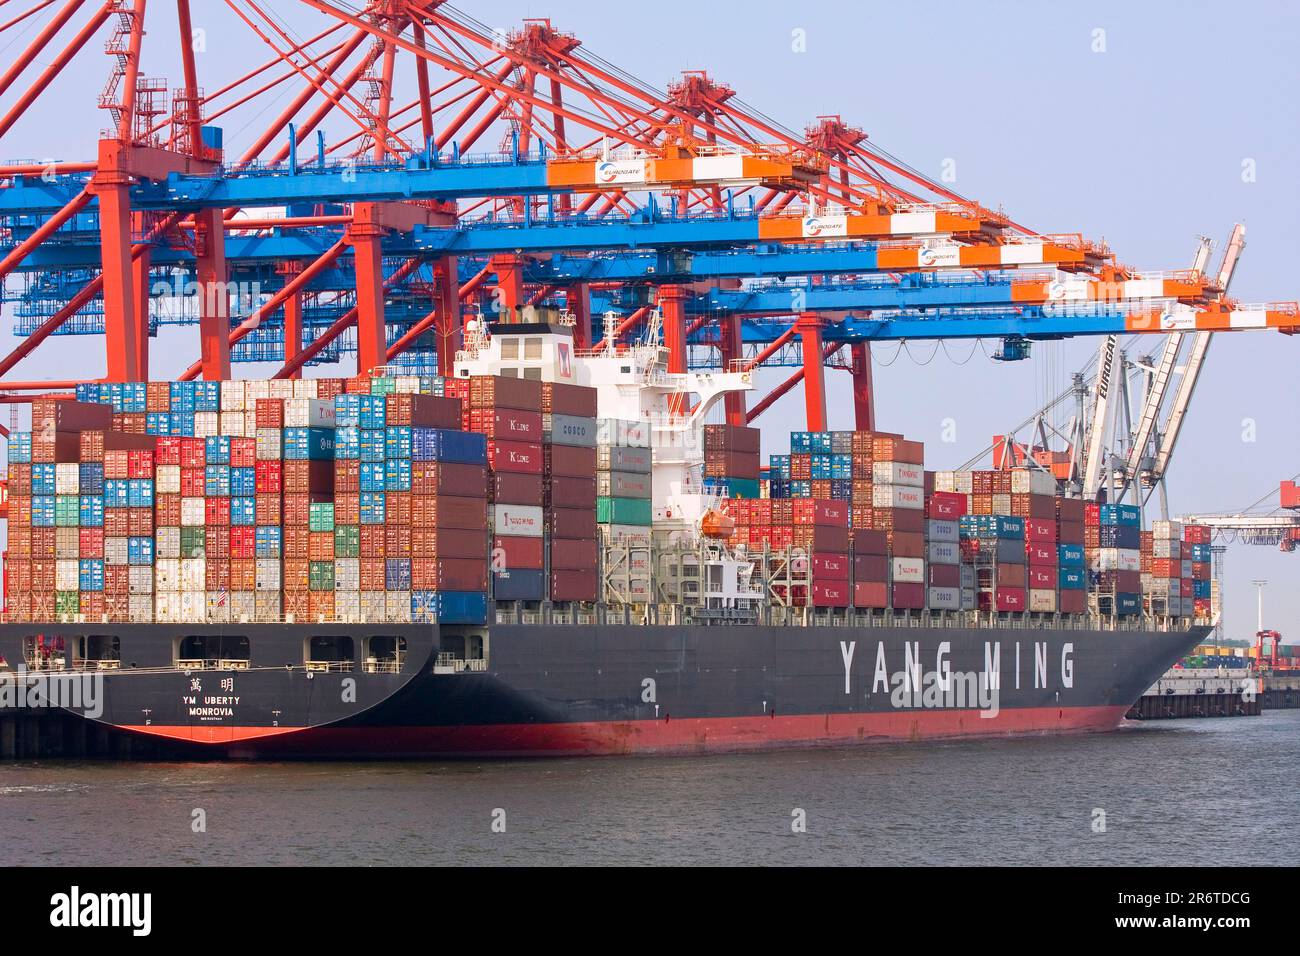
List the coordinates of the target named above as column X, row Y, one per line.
column 744, row 488
column 347, row 541
column 320, row 517
column 67, row 602
column 624, row 511
column 194, row 542
column 383, row 385
column 320, row 576
column 67, row 511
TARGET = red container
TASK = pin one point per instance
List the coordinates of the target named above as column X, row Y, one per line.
column 456, row 574
column 310, row 477
column 830, row 593
column 871, row 594
column 910, row 597
column 373, row 574
column 347, row 475
column 499, row 391
column 1040, row 530
column 830, row 567
column 194, row 453
column 372, row 541
column 1091, row 514
column 397, row 541
column 561, row 399
column 243, row 452
column 870, row 568
column 117, row 521
column 907, row 544
column 573, row 554
column 569, row 461
column 216, row 511
column 1070, row 532
column 1012, row 575
column 1042, row 577
column 819, row 537
column 117, row 579
column 216, row 575
column 60, row 415
column 193, row 484
column 572, row 493
column 448, row 511
column 830, row 513
column 267, row 510
column 424, row 411
column 1040, row 554
column 514, row 456
column 579, row 523
column 573, row 585
column 243, row 542
column 397, row 507
column 167, row 510
column 268, row 477
column 1009, row 599
column 1072, row 601
column 731, row 464
column 911, row 520
column 512, row 489
column 869, row 541
column 347, row 509
column 1196, row 534
column 269, row 413
column 450, row 478
column 90, row 542
column 139, row 522
column 167, row 451
column 507, row 424
column 731, row 438
column 524, row 554
column 946, row 505
column 947, row 576
column 448, row 543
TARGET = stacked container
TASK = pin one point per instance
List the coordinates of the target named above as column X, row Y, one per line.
column 731, row 460
column 1115, row 561
column 995, row 546
column 571, row 496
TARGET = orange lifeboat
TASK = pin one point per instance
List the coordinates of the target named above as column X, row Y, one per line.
column 715, row 524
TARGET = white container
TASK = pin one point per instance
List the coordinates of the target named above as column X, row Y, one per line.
column 116, row 551
column 67, row 575
column 139, row 579
column 207, row 424
column 194, row 574
column 939, row 530
column 243, row 607
column 1032, row 481
column 898, row 473
column 398, row 607
column 167, row 479
column 139, row 608
column 232, row 424
column 67, row 478
column 268, row 444
column 347, row 607
column 166, row 542
column 193, row 513
column 1002, row 504
column 347, row 575
column 309, row 413
column 255, row 389
column 957, row 482
column 194, row 606
column 968, row 577
column 267, row 607
column 897, row 496
column 374, row 607
column 943, row 599
column 267, row 575
column 407, row 384
column 167, row 574
column 250, row 423
column 1042, row 600
column 232, row 395
column 217, row 610
column 943, row 552
column 524, row 521
column 907, row 571
column 1163, row 548
column 1167, row 530
column 167, row 607
column 280, row 388
column 67, row 543
column 1118, row 559
column 969, row 598
column 307, row 388
column 1185, row 569
column 618, row 433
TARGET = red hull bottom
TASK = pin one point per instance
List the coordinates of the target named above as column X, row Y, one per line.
column 689, row 736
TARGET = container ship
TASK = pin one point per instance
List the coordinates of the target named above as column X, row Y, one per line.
column 554, row 551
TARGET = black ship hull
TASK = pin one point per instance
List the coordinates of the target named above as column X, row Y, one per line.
column 610, row 689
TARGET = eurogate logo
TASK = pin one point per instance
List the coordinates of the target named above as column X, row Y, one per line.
column 605, row 172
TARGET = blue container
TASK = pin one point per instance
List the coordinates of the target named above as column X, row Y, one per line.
column 347, row 442
column 372, row 476
column 397, row 441
column 373, row 411
column 347, row 411
column 217, row 448
column 440, row 444
column 243, row 511
column 243, row 481
column 519, row 585
column 397, row 574
column 1126, row 515
column 20, row 447
column 183, row 423
column 87, row 392
column 397, row 474
column 842, row 488
column 216, row 481
column 90, row 574
column 449, row 607
column 801, row 488
column 92, row 511
column 1069, row 555
column 820, row 467
column 1071, row 579
column 135, row 397
column 158, row 423
column 42, row 479
column 1201, row 589
column 372, row 444
column 207, row 396
column 139, row 492
column 117, row 493
column 779, row 468
column 1119, row 536
column 1200, row 552
column 1002, row 527
column 308, row 444
column 139, row 551
column 267, row 542
column 42, row 511
column 372, row 507
column 90, row 478
column 1127, row 603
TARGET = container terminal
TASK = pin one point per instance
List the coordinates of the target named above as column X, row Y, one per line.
column 523, row 508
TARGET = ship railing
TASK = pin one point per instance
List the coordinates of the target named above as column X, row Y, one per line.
column 329, row 667
column 374, row 666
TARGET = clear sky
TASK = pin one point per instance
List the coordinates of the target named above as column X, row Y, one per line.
column 1136, row 135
